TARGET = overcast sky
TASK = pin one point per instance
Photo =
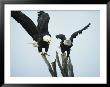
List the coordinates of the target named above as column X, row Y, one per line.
column 85, row 54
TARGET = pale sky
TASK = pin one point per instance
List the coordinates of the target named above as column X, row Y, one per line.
column 85, row 54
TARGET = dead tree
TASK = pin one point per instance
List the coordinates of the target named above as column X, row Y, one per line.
column 51, row 67
column 66, row 66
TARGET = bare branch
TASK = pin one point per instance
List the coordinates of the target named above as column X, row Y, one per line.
column 54, row 68
column 70, row 68
column 48, row 64
column 59, row 64
column 64, row 64
column 66, row 68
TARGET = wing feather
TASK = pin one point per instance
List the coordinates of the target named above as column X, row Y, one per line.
column 61, row 36
column 26, row 23
column 78, row 32
column 43, row 21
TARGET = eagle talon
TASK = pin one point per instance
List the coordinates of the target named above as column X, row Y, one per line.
column 46, row 54
column 42, row 53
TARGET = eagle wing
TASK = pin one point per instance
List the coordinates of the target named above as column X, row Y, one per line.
column 78, row 32
column 43, row 21
column 61, row 36
column 26, row 23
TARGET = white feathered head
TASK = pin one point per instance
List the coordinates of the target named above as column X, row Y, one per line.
column 67, row 42
column 47, row 38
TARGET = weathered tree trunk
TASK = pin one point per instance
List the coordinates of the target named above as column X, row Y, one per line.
column 66, row 66
column 70, row 68
column 52, row 68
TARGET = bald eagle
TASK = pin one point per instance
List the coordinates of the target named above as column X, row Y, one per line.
column 39, row 33
column 65, row 44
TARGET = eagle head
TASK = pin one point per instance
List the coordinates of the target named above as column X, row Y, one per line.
column 47, row 38
column 67, row 42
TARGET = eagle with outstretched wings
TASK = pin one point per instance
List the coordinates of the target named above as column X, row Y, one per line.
column 67, row 44
column 39, row 33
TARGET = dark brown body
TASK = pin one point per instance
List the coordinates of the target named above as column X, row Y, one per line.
column 65, row 48
column 43, row 44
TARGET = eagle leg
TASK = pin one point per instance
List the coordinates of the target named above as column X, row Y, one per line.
column 45, row 53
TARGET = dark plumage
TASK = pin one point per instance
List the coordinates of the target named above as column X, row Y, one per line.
column 67, row 44
column 40, row 32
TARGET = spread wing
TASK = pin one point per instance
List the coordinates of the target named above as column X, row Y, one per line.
column 78, row 32
column 26, row 23
column 43, row 21
column 61, row 36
